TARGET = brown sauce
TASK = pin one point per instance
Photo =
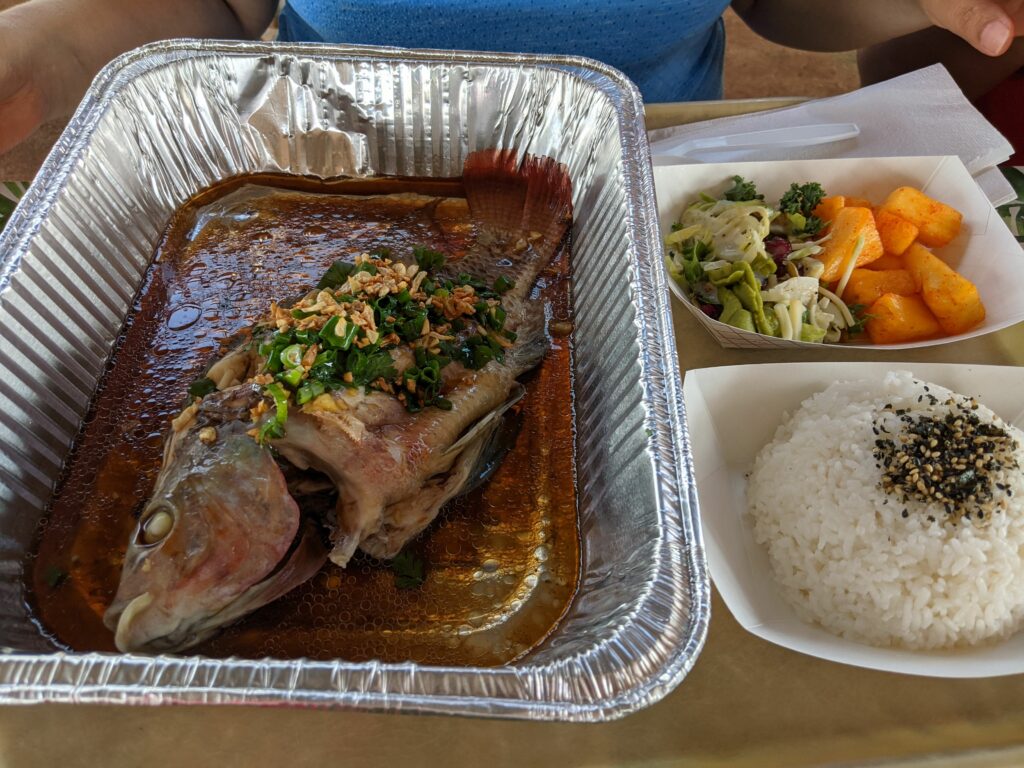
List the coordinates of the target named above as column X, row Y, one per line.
column 501, row 563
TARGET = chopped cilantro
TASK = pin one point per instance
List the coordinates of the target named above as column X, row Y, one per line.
column 54, row 576
column 860, row 318
column 336, row 275
column 408, row 568
column 503, row 284
column 427, row 259
column 201, row 387
column 366, row 368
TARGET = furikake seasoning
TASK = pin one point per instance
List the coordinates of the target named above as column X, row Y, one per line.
column 343, row 334
column 952, row 461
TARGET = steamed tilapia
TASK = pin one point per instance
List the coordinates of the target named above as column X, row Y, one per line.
column 382, row 390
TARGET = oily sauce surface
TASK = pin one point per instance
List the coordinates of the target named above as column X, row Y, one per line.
column 501, row 564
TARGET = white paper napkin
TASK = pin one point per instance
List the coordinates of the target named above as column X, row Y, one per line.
column 920, row 113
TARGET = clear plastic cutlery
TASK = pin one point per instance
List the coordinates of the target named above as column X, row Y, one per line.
column 673, row 149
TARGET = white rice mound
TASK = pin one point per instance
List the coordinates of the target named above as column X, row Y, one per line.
column 843, row 554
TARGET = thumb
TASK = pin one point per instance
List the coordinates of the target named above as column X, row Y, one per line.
column 985, row 24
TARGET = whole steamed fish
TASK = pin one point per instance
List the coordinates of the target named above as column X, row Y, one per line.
column 374, row 399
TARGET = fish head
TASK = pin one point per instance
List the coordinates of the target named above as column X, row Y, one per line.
column 219, row 537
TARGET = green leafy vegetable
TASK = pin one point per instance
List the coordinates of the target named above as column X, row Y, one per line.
column 742, row 190
column 685, row 261
column 408, row 568
column 201, row 387
column 860, row 317
column 739, row 280
column 799, row 203
column 336, row 275
column 366, row 368
column 428, row 259
column 812, row 333
column 54, row 576
column 503, row 284
column 11, row 193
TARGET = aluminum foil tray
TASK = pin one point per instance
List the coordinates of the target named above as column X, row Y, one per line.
column 163, row 122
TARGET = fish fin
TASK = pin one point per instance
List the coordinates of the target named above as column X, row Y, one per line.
column 494, row 447
column 483, row 426
column 532, row 194
column 515, row 202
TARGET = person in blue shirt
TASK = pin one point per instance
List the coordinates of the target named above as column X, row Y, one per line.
column 51, row 49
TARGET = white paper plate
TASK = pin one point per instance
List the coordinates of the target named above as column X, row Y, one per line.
column 984, row 252
column 728, row 427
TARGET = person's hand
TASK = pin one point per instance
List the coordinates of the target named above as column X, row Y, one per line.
column 988, row 25
column 27, row 84
column 51, row 49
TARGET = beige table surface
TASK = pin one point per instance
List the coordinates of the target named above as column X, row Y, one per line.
column 746, row 702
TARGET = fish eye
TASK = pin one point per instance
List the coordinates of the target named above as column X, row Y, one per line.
column 155, row 527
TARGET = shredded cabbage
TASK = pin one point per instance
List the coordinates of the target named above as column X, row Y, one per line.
column 735, row 231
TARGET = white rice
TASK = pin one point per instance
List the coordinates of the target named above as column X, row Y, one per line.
column 844, row 555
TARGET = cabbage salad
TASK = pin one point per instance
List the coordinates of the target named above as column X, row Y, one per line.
column 752, row 266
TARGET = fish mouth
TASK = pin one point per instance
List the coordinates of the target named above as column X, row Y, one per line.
column 127, row 618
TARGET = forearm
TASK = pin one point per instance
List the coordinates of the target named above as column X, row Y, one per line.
column 832, row 25
column 81, row 36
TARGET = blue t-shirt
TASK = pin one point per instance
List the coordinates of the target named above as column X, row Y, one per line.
column 672, row 49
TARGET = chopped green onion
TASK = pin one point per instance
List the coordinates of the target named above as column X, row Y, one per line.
column 292, row 377
column 327, row 356
column 271, row 428
column 339, row 333
column 291, row 356
column 309, row 391
column 280, row 396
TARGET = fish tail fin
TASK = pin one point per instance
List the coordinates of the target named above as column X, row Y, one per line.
column 532, row 194
column 516, row 201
